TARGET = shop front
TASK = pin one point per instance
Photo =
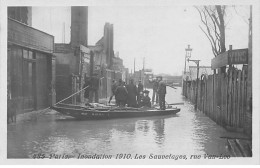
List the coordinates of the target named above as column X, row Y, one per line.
column 30, row 70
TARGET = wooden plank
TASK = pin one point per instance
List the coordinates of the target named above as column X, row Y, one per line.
column 206, row 96
column 234, row 148
column 230, row 98
column 216, row 111
column 213, row 98
column 235, row 98
column 239, row 99
column 243, row 99
column 216, row 94
column 223, row 99
column 210, row 96
column 227, row 98
column 242, row 147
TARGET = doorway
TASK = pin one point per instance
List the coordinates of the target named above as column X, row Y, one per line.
column 29, row 93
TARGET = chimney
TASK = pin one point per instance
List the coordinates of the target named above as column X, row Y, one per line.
column 108, row 43
column 79, row 26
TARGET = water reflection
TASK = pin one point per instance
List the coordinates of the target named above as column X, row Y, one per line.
column 158, row 127
column 188, row 132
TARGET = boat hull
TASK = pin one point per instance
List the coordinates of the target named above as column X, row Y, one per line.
column 85, row 114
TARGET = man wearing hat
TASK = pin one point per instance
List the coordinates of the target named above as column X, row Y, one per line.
column 161, row 93
column 93, row 94
column 155, row 89
column 132, row 93
column 146, row 100
column 121, row 94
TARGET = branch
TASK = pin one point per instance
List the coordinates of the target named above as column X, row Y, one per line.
column 216, row 20
column 214, row 23
column 212, row 47
column 209, row 34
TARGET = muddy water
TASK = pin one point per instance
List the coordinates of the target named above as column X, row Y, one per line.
column 187, row 133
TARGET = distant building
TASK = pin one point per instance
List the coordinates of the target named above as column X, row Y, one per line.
column 72, row 60
column 30, row 62
column 21, row 14
column 107, row 65
column 79, row 26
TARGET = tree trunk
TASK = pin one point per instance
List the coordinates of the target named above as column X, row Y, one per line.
column 222, row 33
column 221, row 29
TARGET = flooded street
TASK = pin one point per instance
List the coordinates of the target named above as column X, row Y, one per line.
column 186, row 133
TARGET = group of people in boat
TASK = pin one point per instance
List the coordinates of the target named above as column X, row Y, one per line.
column 128, row 94
column 135, row 96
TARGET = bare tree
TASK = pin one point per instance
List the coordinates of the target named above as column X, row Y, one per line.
column 213, row 19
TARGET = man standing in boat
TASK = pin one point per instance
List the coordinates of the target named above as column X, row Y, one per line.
column 93, row 94
column 161, row 93
column 121, row 94
column 155, row 89
column 132, row 93
column 113, row 89
column 87, row 89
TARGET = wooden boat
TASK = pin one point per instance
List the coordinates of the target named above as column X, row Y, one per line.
column 108, row 112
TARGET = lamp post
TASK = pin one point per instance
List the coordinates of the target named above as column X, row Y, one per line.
column 187, row 55
column 197, row 62
column 184, row 84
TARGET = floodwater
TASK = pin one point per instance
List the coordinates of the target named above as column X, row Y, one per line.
column 187, row 133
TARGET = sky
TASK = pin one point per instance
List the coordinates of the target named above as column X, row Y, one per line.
column 158, row 33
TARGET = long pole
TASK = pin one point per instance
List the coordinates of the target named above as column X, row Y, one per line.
column 185, row 66
column 143, row 73
column 65, row 98
column 198, row 65
column 134, row 68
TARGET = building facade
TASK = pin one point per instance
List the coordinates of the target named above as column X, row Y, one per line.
column 21, row 14
column 30, row 66
column 72, row 60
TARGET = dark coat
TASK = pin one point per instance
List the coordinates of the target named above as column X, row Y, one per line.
column 113, row 88
column 155, row 85
column 162, row 88
column 94, row 83
column 86, row 93
column 121, row 93
column 132, row 93
column 140, row 87
column 146, row 101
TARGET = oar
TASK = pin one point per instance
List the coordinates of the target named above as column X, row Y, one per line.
column 171, row 86
column 181, row 103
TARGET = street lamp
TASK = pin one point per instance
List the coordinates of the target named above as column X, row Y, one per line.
column 187, row 55
column 197, row 62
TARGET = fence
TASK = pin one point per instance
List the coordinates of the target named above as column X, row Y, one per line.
column 222, row 97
